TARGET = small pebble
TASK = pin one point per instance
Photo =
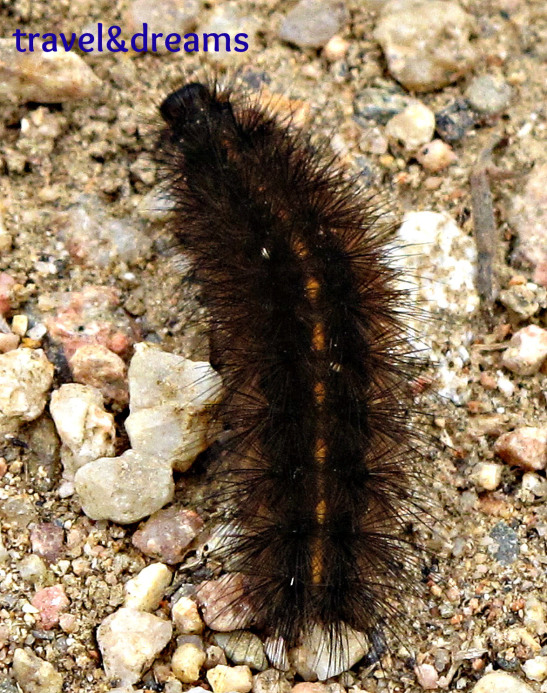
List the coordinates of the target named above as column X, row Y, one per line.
column 168, row 533
column 381, row 103
column 47, row 540
column 524, row 300
column 534, row 616
column 186, row 617
column 454, row 121
column 34, row 675
column 534, row 484
column 242, row 647
column 124, row 489
column 223, row 604
column 412, row 127
column 8, row 342
column 227, row 18
column 527, row 350
column 501, row 682
column 7, row 284
column 427, row 676
column 86, row 430
column 508, row 543
column 171, row 402
column 524, row 447
column 97, row 366
column 53, row 77
column 94, row 237
column 25, row 378
column 435, row 156
column 50, row 602
column 426, row 44
column 187, row 661
column 535, row 668
column 145, row 591
column 129, row 641
column 487, row 475
column 271, row 681
column 488, row 94
column 336, row 49
column 312, row 23
column 313, row 658
column 225, row 679
column 19, row 325
column 33, row 569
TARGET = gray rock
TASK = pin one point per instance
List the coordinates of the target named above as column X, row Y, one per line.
column 508, row 543
column 381, row 103
column 488, row 94
column 454, row 121
column 243, row 647
column 311, row 23
column 162, row 16
column 426, row 43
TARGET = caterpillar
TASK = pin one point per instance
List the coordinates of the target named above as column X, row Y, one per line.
column 308, row 331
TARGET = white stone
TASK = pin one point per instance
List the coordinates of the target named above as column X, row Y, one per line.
column 527, row 350
column 187, row 661
column 412, row 128
column 535, row 668
column 53, row 77
column 171, row 401
column 534, row 616
column 442, row 258
column 488, row 475
column 25, row 378
column 314, row 657
column 145, row 591
column 34, row 675
column 86, row 430
column 186, row 617
column 535, row 484
column 501, row 682
column 124, row 489
column 225, row 679
column 129, row 641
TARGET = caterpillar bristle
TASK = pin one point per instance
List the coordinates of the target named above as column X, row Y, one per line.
column 307, row 319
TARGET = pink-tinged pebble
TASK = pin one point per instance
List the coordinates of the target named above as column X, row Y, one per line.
column 307, row 687
column 6, row 292
column 95, row 365
column 168, row 533
column 50, row 602
column 435, row 156
column 427, row 676
column 91, row 316
column 224, row 606
column 527, row 350
column 47, row 541
column 3, row 467
column 524, row 447
column 8, row 342
column 68, row 623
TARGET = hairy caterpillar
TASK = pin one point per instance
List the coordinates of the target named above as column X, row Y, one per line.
column 307, row 322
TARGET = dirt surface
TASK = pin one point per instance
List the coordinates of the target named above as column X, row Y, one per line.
column 473, row 613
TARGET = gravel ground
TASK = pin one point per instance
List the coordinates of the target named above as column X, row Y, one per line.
column 79, row 210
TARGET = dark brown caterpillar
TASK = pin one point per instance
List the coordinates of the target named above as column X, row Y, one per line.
column 308, row 322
